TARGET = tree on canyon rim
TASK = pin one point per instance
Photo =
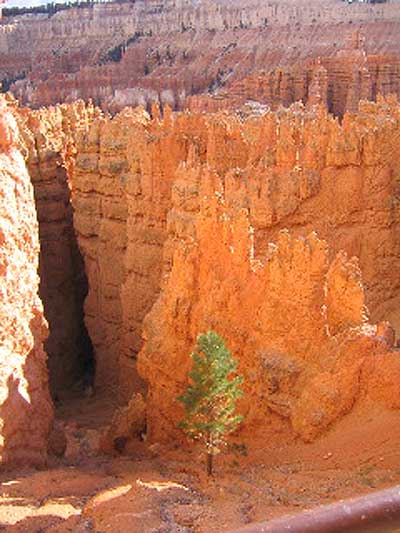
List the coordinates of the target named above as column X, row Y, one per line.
column 210, row 398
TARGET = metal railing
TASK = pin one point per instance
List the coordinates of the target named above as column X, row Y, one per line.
column 376, row 512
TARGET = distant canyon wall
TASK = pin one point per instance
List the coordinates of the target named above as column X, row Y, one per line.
column 145, row 52
column 339, row 82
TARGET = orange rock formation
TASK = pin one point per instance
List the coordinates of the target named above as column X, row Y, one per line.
column 134, row 181
column 25, row 407
column 152, row 202
column 137, row 187
column 295, row 321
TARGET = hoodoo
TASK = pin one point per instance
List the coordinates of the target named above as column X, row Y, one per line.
column 26, row 411
column 174, row 168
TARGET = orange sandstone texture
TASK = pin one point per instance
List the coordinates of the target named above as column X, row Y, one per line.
column 295, row 321
column 137, row 187
column 101, row 223
column 25, row 407
column 121, row 194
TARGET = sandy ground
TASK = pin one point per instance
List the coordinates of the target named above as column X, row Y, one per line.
column 154, row 489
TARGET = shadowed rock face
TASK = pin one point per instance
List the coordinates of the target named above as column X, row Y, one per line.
column 25, row 407
column 63, row 283
column 139, row 53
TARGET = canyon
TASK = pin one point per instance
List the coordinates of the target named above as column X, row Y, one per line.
column 126, row 204
column 153, row 188
column 182, row 52
column 278, row 230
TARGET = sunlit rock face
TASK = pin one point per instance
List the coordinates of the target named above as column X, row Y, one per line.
column 25, row 407
column 295, row 321
column 136, row 186
column 244, row 224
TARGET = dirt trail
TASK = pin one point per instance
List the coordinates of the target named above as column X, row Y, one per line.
column 154, row 489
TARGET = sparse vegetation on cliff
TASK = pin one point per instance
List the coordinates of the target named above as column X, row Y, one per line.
column 210, row 399
column 50, row 8
column 115, row 54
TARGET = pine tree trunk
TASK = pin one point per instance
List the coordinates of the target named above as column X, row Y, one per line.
column 209, row 464
column 210, row 455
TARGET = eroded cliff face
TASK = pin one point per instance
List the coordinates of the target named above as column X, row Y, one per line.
column 174, row 217
column 121, row 194
column 25, row 407
column 339, row 82
column 297, row 169
column 295, row 321
column 136, row 192
column 144, row 52
column 48, row 136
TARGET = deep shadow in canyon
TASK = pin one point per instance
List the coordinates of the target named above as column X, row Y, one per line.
column 63, row 284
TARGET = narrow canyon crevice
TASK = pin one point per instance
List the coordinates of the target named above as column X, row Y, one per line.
column 63, row 282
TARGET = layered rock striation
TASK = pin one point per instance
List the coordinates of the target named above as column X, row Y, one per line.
column 135, row 53
column 339, row 82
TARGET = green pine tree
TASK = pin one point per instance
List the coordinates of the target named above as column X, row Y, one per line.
column 210, row 398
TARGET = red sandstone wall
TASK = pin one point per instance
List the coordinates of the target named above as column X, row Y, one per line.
column 25, row 407
column 100, row 221
column 338, row 82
